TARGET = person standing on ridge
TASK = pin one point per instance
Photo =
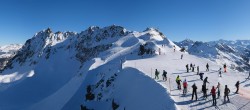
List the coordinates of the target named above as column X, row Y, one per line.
column 204, row 90
column 198, row 70
column 156, row 74
column 164, row 75
column 205, row 82
column 178, row 81
column 159, row 51
column 174, row 48
column 213, row 92
column 237, row 86
column 181, row 56
column 194, row 91
column 187, row 68
column 207, row 67
column 218, row 87
column 226, row 92
column 225, row 68
column 185, row 87
column 219, row 72
column 191, row 66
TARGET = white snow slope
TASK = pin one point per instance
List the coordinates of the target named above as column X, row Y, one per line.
column 54, row 74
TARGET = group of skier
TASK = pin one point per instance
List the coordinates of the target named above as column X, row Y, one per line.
column 204, row 85
column 215, row 90
column 164, row 75
column 192, row 66
column 205, row 89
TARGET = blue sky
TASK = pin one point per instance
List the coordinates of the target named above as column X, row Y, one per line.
column 203, row 20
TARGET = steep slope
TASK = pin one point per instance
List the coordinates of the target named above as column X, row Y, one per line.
column 50, row 70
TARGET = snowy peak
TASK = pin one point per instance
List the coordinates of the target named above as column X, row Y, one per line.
column 154, row 33
column 72, row 56
column 96, row 34
column 203, row 49
column 187, row 43
column 156, row 36
column 86, row 44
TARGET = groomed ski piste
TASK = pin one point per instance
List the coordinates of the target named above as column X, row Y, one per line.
column 60, row 82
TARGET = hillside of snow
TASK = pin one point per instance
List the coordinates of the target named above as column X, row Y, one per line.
column 53, row 70
column 109, row 68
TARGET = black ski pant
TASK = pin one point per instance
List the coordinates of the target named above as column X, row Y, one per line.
column 194, row 93
column 218, row 93
column 214, row 99
column 237, row 90
column 226, row 96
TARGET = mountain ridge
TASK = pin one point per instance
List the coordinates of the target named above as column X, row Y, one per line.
column 62, row 59
column 235, row 53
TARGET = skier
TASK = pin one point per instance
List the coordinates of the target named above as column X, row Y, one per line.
column 185, row 87
column 213, row 92
column 187, row 68
column 159, row 51
column 219, row 72
column 218, row 87
column 194, row 91
column 178, row 81
column 181, row 56
column 201, row 76
column 156, row 74
column 164, row 75
column 198, row 70
column 204, row 90
column 174, row 48
column 207, row 67
column 237, row 86
column 225, row 68
column 226, row 92
column 191, row 66
column 205, row 82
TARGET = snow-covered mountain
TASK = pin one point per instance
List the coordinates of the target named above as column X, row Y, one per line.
column 64, row 70
column 108, row 68
column 235, row 54
column 7, row 52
